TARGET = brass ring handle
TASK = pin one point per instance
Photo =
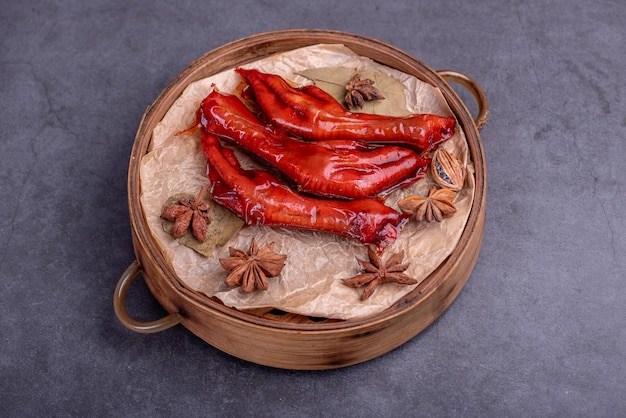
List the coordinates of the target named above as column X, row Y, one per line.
column 120, row 310
column 483, row 104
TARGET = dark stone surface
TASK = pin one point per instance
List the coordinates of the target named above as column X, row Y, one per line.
column 537, row 331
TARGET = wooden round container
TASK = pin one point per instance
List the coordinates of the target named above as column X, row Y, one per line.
column 268, row 336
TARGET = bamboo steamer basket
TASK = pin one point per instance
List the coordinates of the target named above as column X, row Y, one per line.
column 268, row 336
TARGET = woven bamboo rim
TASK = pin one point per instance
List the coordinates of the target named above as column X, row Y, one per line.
column 316, row 343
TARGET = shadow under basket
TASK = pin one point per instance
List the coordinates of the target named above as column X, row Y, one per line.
column 269, row 336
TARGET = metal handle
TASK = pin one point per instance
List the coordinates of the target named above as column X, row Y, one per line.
column 120, row 310
column 475, row 89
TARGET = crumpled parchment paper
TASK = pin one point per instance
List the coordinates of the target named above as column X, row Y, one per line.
column 310, row 283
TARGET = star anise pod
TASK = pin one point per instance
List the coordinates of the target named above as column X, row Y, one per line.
column 187, row 213
column 376, row 273
column 436, row 206
column 251, row 269
column 360, row 91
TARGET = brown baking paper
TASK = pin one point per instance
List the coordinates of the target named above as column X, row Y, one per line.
column 310, row 283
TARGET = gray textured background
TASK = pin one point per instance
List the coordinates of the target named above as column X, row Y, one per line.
column 537, row 331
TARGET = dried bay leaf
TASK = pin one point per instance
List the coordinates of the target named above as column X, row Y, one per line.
column 333, row 80
column 224, row 224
